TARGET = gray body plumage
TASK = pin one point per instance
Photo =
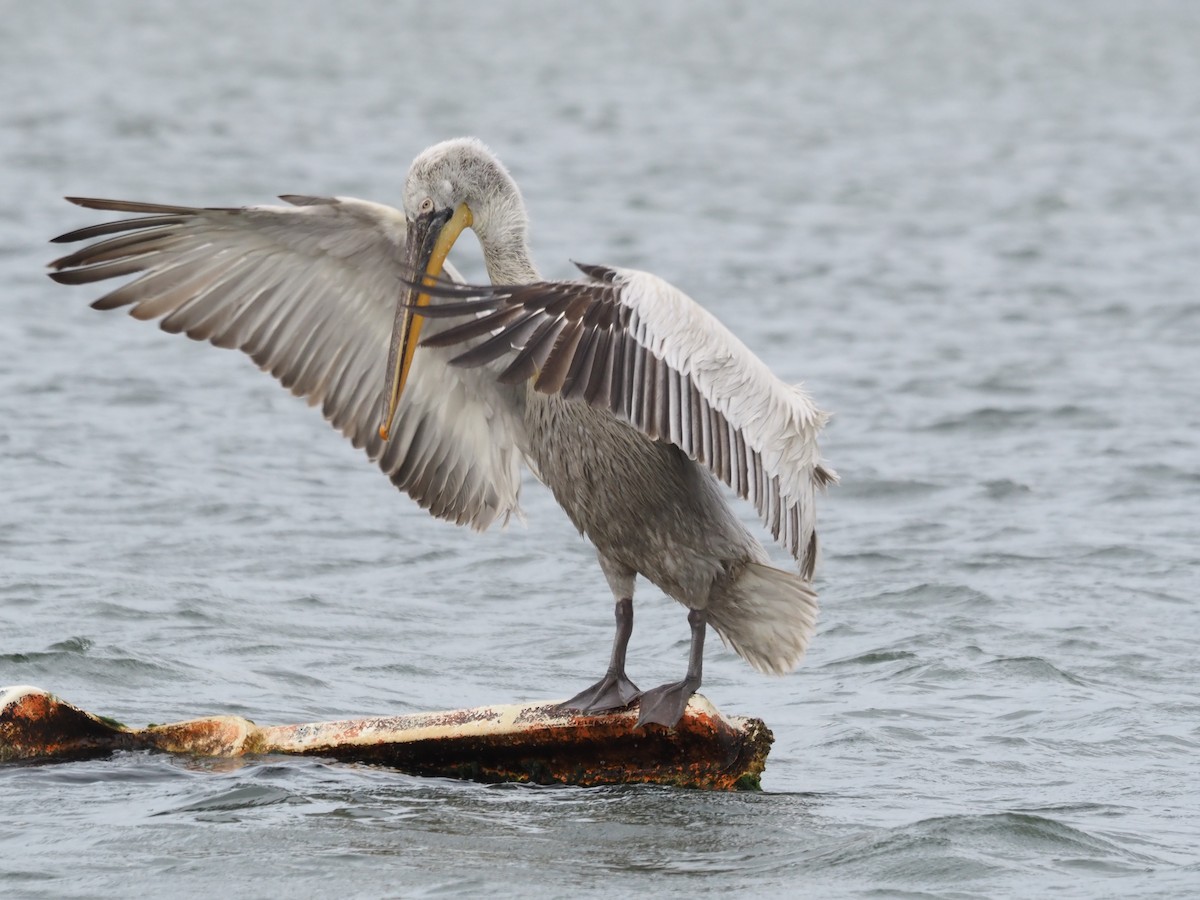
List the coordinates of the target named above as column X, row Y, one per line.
column 648, row 509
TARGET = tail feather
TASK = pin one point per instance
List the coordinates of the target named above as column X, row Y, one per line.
column 767, row 617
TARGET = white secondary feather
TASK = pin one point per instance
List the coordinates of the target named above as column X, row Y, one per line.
column 776, row 420
column 309, row 292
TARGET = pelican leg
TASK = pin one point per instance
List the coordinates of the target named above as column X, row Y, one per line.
column 665, row 704
column 614, row 690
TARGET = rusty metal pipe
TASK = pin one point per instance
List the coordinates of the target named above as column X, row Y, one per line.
column 537, row 743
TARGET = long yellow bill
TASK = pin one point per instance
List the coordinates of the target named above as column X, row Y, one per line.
column 428, row 243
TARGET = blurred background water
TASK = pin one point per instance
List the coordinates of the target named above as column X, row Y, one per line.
column 972, row 229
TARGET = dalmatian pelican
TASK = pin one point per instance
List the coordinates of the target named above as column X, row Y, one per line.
column 620, row 393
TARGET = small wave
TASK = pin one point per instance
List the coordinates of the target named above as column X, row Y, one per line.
column 1024, row 832
column 72, row 645
column 246, row 797
column 970, row 847
column 1159, row 471
column 993, row 560
column 1118, row 552
column 78, row 657
column 993, row 419
column 928, row 674
column 1004, row 488
column 1033, row 669
column 934, row 593
column 870, row 658
column 862, row 558
column 292, row 677
column 887, row 489
column 1009, row 382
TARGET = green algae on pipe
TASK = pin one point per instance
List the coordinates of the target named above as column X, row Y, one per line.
column 533, row 743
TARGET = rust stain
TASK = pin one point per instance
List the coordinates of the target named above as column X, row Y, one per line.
column 37, row 725
column 214, row 736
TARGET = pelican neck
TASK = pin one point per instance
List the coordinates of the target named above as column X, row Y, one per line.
column 510, row 264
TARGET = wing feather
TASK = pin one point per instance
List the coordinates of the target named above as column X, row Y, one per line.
column 533, row 355
column 552, row 376
column 631, row 342
column 308, row 292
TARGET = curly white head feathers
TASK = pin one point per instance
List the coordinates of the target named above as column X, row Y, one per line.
column 465, row 171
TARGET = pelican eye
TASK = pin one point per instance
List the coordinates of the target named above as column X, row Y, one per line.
column 427, row 205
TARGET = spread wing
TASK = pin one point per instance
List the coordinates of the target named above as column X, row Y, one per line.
column 309, row 293
column 629, row 342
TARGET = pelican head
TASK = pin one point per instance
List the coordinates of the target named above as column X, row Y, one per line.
column 452, row 186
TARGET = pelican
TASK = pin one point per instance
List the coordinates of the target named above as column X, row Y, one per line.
column 619, row 392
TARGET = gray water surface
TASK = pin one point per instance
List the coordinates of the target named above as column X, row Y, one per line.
column 971, row 229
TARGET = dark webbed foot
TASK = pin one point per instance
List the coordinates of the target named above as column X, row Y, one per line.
column 613, row 691
column 664, row 705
